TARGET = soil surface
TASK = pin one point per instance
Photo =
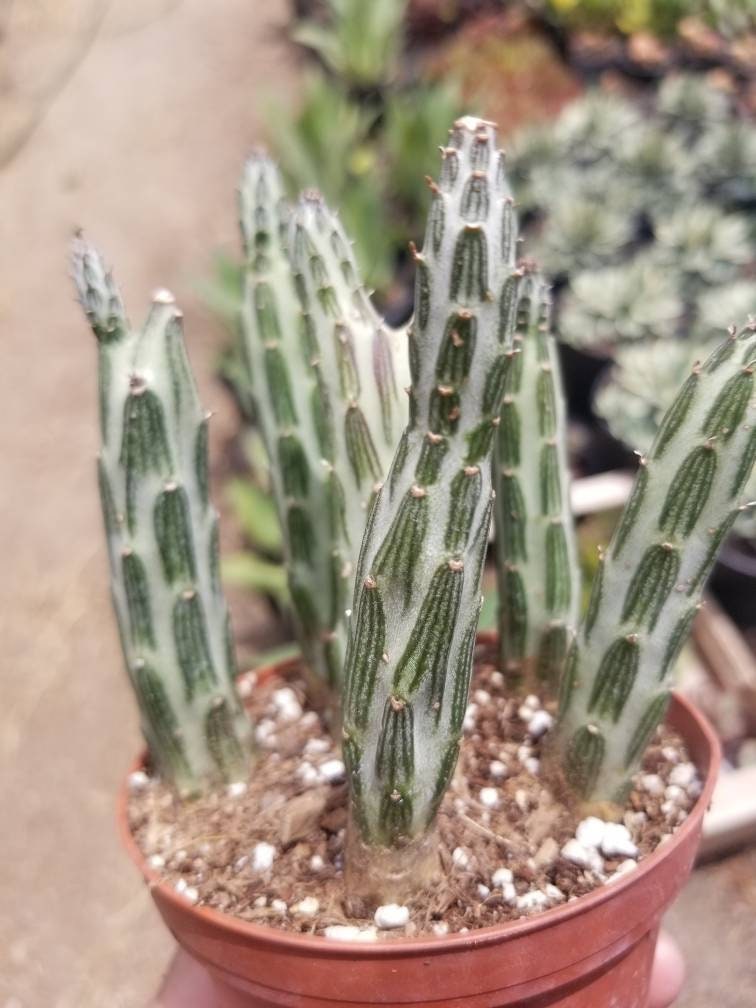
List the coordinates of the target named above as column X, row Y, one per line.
column 271, row 850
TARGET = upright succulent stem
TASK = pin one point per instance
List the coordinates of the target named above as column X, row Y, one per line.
column 537, row 566
column 325, row 375
column 162, row 538
column 417, row 589
column 687, row 494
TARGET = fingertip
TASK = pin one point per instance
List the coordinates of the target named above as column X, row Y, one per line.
column 667, row 973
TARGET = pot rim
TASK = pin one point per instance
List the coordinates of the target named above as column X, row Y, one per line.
column 427, row 945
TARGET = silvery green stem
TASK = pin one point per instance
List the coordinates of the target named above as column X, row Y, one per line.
column 327, row 378
column 162, row 535
column 294, row 422
column 537, row 567
column 362, row 364
column 687, row 494
column 417, row 590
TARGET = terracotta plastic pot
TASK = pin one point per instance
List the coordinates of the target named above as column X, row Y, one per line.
column 594, row 952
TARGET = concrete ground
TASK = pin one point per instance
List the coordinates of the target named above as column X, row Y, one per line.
column 142, row 146
column 137, row 133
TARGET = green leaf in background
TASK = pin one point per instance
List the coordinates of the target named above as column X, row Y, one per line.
column 256, row 513
column 247, row 570
column 361, row 42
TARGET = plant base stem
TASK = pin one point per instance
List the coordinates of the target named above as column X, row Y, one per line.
column 377, row 875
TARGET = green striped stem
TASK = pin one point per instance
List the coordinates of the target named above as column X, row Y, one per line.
column 536, row 556
column 162, row 536
column 362, row 364
column 417, row 590
column 687, row 494
column 326, row 377
column 294, row 422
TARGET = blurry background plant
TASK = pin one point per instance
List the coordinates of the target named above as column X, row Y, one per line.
column 650, row 243
column 661, row 17
column 664, row 191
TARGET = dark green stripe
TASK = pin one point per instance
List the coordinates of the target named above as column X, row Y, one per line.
column 400, row 458
column 200, row 462
column 137, row 599
column 723, row 352
column 630, row 512
column 279, row 386
column 443, row 778
column 399, row 553
column 457, row 349
column 717, row 538
column 475, row 200
column 361, row 452
column 107, row 501
column 651, row 586
column 385, row 382
column 293, row 466
column 303, row 603
column 546, row 406
column 436, row 219
column 688, row 492
column 469, row 272
column 675, row 415
column 465, row 494
column 173, row 533
column 162, row 727
column 395, row 815
column 144, row 444
column 104, row 383
column 493, row 389
column 508, row 310
column 509, row 436
column 336, row 507
column 413, row 355
column 615, row 678
column 461, row 676
column 178, row 365
column 585, row 754
column 480, row 152
column 395, row 753
column 192, row 648
column 479, row 441
column 676, row 640
column 230, row 651
column 349, row 379
column 557, row 573
column 222, row 743
column 650, row 720
column 552, row 649
column 513, row 613
column 745, row 466
column 511, row 516
column 508, row 233
column 444, row 411
column 426, row 656
column 422, row 294
column 449, row 169
column 549, row 480
column 569, row 678
column 213, row 556
column 597, row 593
column 266, row 313
column 300, row 533
column 322, row 415
column 429, row 464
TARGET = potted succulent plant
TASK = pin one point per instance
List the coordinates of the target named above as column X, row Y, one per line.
column 481, row 853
